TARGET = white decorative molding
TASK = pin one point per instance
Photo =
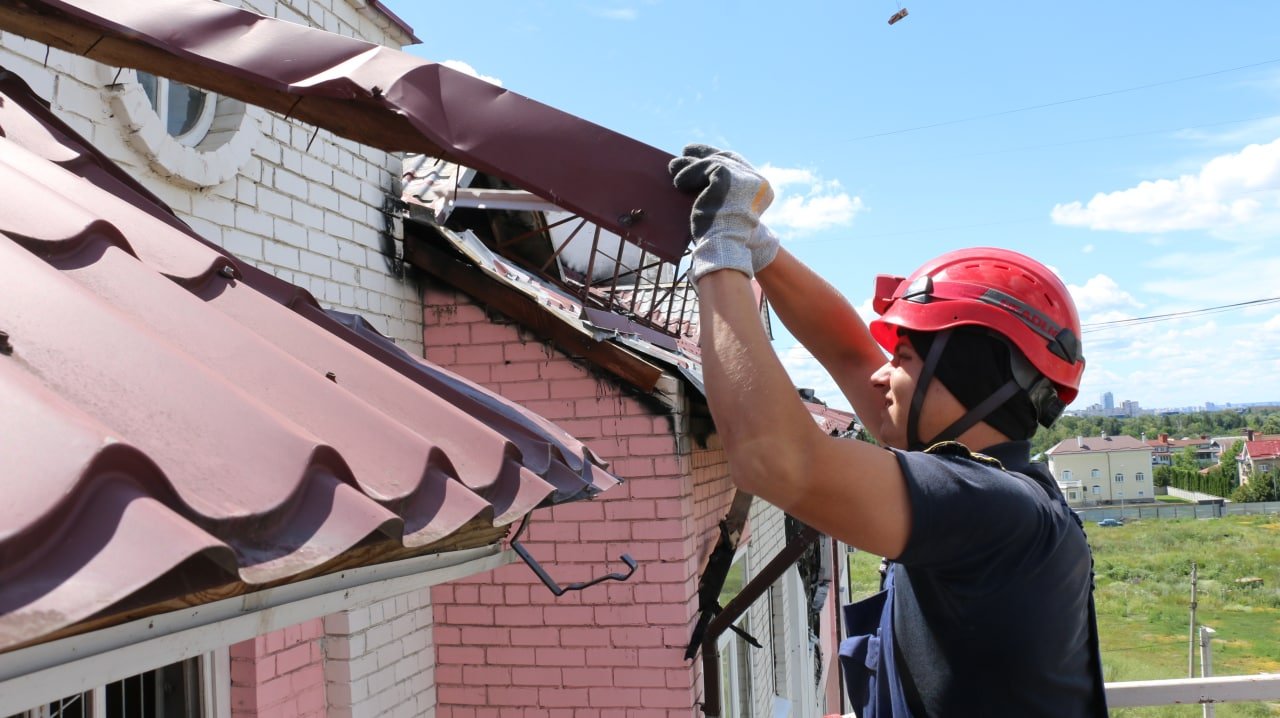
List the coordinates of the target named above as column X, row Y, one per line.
column 219, row 156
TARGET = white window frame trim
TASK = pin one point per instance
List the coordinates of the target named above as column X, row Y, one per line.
column 49, row 671
column 194, row 136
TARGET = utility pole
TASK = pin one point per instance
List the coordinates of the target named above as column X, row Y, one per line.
column 1191, row 632
column 1206, row 663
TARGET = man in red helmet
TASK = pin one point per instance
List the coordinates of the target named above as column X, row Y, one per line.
column 987, row 608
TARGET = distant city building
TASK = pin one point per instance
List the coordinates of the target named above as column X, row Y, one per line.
column 1108, row 403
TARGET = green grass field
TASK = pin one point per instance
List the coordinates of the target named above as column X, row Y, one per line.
column 1143, row 591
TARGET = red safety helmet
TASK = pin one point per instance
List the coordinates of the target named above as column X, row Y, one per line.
column 1002, row 291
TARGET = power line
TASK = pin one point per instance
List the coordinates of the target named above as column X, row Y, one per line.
column 1152, row 318
column 1119, row 137
column 1056, row 103
column 1131, row 321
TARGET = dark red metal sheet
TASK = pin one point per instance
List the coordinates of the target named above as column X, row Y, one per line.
column 176, row 420
column 404, row 103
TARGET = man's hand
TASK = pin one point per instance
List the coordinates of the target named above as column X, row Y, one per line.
column 726, row 214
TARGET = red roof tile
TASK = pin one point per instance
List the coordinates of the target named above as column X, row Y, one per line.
column 179, row 420
column 1267, row 449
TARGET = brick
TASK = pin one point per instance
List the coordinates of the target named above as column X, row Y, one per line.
column 669, row 698
column 525, row 390
column 481, row 354
column 469, row 615
column 274, row 691
column 533, row 638
column 605, row 531
column 446, row 635
column 612, row 656
column 531, row 351
column 620, row 615
column 560, row 697
column 510, row 656
column 637, row 637
column 671, row 466
column 547, row 656
column 465, row 695
column 513, row 696
column 631, row 468
column 521, row 616
column 614, row 696
column 489, row 332
column 293, row 658
column 679, row 678
column 561, row 368
column 536, row 676
column 448, row 674
column 655, row 488
column 669, row 614
column 583, row 552
column 661, row 529
column 579, row 511
column 652, row 445
column 483, row 636
column 389, row 654
column 642, row 677
column 577, row 388
column 486, row 675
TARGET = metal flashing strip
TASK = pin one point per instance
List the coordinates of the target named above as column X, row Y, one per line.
column 45, row 672
column 380, row 97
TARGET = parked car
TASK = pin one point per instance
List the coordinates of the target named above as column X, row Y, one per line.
column 1111, row 522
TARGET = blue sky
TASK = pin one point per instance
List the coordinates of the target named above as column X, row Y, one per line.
column 961, row 125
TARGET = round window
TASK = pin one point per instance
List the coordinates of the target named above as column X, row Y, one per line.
column 187, row 113
column 192, row 137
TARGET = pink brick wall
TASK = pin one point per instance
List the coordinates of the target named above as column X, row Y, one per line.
column 280, row 673
column 505, row 645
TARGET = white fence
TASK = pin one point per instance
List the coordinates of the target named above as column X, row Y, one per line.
column 1177, row 511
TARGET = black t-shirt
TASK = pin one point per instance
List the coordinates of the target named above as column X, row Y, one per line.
column 991, row 616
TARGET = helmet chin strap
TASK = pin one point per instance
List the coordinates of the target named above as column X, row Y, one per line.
column 964, row 423
column 917, row 397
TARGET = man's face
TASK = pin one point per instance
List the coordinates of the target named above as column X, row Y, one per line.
column 896, row 381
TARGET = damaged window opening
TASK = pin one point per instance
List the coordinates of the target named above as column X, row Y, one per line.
column 735, row 646
column 644, row 284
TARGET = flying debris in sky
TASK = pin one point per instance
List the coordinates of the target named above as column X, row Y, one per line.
column 901, row 13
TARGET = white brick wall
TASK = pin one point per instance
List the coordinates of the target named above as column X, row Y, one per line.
column 380, row 660
column 309, row 215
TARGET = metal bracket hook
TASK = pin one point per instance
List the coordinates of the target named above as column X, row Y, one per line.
column 549, row 582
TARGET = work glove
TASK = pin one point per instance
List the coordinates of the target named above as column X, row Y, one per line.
column 725, row 221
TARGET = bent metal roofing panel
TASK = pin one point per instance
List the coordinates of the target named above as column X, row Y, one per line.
column 178, row 420
column 379, row 97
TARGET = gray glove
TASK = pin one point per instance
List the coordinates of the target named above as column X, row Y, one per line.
column 726, row 214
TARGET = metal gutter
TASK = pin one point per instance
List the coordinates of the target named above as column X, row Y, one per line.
column 754, row 589
column 49, row 671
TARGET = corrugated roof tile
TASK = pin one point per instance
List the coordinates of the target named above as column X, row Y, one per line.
column 178, row 420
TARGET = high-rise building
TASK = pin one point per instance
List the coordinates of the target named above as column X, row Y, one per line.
column 1108, row 403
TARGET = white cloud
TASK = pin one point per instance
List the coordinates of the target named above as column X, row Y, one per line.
column 1230, row 191
column 467, row 69
column 1100, row 293
column 805, row 202
column 807, row 373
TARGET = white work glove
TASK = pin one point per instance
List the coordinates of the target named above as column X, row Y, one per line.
column 725, row 222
